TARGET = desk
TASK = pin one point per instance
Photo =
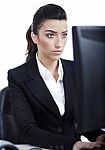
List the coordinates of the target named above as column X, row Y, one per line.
column 28, row 147
column 21, row 146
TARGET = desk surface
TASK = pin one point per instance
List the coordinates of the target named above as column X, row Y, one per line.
column 21, row 146
column 28, row 147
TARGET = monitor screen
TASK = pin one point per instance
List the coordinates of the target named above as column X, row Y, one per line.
column 89, row 60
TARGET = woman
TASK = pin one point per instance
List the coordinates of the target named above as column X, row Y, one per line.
column 42, row 89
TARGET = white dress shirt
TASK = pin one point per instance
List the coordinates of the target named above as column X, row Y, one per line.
column 56, row 88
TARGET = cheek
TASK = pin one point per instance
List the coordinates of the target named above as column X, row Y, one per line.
column 45, row 43
column 65, row 42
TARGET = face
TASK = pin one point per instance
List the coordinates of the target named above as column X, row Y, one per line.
column 51, row 39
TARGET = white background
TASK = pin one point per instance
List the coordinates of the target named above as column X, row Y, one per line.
column 16, row 16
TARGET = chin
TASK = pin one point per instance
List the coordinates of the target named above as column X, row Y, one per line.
column 56, row 57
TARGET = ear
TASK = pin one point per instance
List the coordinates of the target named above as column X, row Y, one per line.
column 34, row 38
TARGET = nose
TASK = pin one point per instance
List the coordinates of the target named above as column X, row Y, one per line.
column 58, row 42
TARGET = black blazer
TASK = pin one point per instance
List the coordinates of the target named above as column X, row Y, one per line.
column 36, row 114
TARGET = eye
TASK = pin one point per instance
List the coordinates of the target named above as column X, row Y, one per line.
column 50, row 35
column 64, row 35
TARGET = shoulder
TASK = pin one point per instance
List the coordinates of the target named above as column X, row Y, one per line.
column 68, row 67
column 20, row 73
column 17, row 72
column 67, row 63
column 17, row 69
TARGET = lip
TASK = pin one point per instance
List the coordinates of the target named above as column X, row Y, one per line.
column 57, row 51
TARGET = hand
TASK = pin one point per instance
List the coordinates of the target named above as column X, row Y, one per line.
column 85, row 145
column 101, row 139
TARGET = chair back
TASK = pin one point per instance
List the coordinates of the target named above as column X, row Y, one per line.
column 8, row 128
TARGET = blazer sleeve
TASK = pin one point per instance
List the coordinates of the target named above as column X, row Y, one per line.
column 26, row 122
column 92, row 135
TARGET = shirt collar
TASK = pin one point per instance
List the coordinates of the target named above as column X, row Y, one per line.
column 45, row 72
column 60, row 71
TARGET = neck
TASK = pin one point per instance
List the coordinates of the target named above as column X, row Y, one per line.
column 52, row 66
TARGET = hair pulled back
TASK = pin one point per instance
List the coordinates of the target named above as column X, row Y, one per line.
column 49, row 11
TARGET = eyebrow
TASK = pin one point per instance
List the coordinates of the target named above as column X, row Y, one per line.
column 54, row 31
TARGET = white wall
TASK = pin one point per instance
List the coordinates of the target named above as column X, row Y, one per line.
column 16, row 16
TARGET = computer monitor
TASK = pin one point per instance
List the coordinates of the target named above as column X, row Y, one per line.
column 89, row 60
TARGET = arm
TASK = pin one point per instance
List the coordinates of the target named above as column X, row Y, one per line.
column 93, row 135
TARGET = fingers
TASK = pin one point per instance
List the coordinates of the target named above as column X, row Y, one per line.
column 85, row 145
column 101, row 139
column 91, row 145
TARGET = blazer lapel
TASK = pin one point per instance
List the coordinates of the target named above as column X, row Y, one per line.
column 38, row 88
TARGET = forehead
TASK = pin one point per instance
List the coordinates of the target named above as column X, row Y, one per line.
column 54, row 25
